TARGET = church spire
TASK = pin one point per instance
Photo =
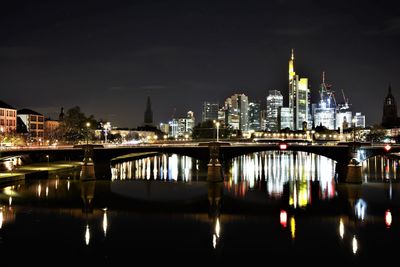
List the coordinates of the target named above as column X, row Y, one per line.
column 148, row 114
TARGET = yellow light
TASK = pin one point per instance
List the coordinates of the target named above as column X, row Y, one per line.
column 354, row 245
column 341, row 228
column 217, row 227
column 1, row 218
column 293, row 227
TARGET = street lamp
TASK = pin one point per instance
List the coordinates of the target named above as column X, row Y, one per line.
column 217, row 124
column 87, row 132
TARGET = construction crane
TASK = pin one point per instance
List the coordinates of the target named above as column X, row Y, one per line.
column 173, row 113
column 346, row 100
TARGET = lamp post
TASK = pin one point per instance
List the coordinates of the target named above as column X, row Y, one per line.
column 87, row 132
column 217, row 124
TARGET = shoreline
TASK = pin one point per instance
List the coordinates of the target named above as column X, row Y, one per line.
column 41, row 170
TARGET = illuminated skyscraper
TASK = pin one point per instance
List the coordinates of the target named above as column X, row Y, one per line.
column 237, row 108
column 254, row 116
column 274, row 101
column 210, row 111
column 298, row 97
column 324, row 113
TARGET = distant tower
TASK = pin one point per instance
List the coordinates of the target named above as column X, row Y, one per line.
column 298, row 96
column 389, row 118
column 61, row 116
column 148, row 114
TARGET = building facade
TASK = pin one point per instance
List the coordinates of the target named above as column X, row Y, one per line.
column 274, row 102
column 210, row 111
column 299, row 98
column 8, row 118
column 254, row 116
column 34, row 123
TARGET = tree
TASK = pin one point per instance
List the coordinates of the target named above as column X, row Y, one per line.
column 376, row 135
column 73, row 128
column 208, row 130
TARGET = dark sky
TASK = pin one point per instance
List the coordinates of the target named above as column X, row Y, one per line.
column 107, row 56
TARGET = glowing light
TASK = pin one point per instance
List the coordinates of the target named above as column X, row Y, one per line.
column 283, row 146
column 360, row 207
column 293, row 227
column 1, row 218
column 341, row 228
column 387, row 147
column 47, row 191
column 10, row 200
column 87, row 235
column 214, row 241
column 388, row 218
column 217, row 228
column 283, row 218
column 39, row 190
column 105, row 222
column 355, row 245
column 68, row 185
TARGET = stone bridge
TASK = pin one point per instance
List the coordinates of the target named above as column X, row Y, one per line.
column 102, row 156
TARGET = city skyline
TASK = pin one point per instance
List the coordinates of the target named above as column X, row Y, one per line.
column 107, row 58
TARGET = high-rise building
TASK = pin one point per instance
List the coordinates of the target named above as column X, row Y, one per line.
column 237, row 108
column 389, row 118
column 359, row 120
column 343, row 119
column 180, row 127
column 210, row 111
column 299, row 98
column 274, row 102
column 285, row 118
column 324, row 113
column 254, row 116
column 148, row 114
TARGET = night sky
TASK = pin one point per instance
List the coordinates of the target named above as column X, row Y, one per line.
column 108, row 56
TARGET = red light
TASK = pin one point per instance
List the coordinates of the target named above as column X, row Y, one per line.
column 283, row 218
column 283, row 146
column 387, row 147
column 388, row 218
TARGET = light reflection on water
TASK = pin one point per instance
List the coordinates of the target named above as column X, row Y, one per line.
column 163, row 167
column 96, row 218
column 271, row 171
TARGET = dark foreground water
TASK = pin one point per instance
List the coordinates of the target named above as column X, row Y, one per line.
column 271, row 209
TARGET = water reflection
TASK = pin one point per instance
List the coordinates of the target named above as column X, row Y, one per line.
column 301, row 174
column 381, row 168
column 162, row 167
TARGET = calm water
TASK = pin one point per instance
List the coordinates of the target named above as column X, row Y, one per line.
column 271, row 207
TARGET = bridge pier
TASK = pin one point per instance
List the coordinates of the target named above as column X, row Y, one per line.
column 349, row 172
column 214, row 170
column 87, row 170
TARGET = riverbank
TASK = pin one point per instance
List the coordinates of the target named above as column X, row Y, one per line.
column 40, row 170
